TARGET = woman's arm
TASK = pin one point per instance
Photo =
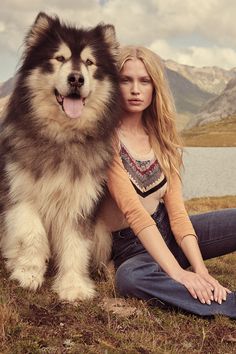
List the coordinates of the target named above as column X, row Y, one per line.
column 179, row 220
column 191, row 249
column 145, row 228
column 184, row 233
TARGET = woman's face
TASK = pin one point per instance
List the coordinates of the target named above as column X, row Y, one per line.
column 136, row 86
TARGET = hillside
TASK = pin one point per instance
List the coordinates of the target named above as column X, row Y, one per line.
column 197, row 93
column 188, row 96
column 218, row 108
column 218, row 133
column 7, row 87
column 211, row 79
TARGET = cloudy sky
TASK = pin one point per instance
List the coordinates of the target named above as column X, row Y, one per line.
column 192, row 32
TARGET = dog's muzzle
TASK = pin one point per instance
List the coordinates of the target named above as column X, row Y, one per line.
column 72, row 104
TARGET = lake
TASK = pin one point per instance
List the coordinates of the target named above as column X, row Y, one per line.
column 209, row 172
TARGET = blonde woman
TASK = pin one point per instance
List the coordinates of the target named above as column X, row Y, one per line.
column 154, row 240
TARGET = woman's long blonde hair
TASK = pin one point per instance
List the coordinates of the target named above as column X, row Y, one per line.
column 160, row 117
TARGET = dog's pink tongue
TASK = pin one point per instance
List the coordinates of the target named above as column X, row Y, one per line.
column 73, row 107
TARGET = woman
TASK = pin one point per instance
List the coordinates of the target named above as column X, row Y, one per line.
column 154, row 240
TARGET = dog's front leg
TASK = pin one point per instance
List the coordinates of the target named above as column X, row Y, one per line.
column 101, row 249
column 25, row 245
column 72, row 250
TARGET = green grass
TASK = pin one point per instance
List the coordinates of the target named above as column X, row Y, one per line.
column 222, row 133
column 38, row 323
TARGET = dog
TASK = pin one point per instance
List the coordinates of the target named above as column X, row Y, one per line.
column 56, row 145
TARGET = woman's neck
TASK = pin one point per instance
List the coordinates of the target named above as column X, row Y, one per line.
column 132, row 123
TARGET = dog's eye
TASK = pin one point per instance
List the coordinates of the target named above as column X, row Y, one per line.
column 60, row 58
column 89, row 62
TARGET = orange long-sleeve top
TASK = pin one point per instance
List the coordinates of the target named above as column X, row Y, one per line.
column 123, row 207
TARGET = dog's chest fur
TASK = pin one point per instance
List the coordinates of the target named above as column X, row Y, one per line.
column 63, row 189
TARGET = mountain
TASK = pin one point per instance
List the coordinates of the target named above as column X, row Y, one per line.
column 191, row 87
column 7, row 87
column 210, row 79
column 223, row 106
column 188, row 97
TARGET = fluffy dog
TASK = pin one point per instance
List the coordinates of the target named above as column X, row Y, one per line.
column 56, row 146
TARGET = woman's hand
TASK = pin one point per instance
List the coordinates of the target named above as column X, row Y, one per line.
column 203, row 286
column 219, row 291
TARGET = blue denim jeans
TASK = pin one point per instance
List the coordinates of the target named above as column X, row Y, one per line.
column 138, row 275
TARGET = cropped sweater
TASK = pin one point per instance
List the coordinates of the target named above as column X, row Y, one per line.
column 123, row 207
column 146, row 175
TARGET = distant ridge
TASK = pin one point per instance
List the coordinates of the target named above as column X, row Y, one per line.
column 188, row 96
column 221, row 107
column 199, row 93
column 210, row 79
column 7, row 87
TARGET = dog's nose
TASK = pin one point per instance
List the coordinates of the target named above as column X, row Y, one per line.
column 76, row 79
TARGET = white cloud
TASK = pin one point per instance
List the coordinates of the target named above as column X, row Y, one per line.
column 220, row 56
column 162, row 48
column 213, row 19
column 147, row 23
column 197, row 56
column 2, row 27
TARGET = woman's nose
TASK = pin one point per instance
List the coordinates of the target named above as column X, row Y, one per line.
column 135, row 90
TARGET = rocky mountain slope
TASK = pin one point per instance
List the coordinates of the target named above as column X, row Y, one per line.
column 199, row 93
column 188, row 97
column 211, row 79
column 218, row 108
column 7, row 87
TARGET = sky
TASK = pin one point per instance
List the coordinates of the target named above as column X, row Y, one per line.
column 192, row 32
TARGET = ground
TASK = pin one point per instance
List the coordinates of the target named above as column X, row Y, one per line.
column 38, row 323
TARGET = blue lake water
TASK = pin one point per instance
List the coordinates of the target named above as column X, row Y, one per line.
column 209, row 172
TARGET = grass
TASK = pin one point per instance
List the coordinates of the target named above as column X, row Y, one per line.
column 182, row 120
column 222, row 133
column 38, row 323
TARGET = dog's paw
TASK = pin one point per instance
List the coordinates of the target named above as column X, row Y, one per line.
column 81, row 289
column 28, row 277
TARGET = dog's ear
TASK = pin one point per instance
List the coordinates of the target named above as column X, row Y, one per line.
column 41, row 24
column 109, row 34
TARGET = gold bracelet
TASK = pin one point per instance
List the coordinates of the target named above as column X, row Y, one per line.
column 189, row 235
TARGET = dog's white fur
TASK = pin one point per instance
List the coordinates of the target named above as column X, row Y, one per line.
column 25, row 243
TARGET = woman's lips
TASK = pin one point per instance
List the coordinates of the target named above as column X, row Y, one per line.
column 135, row 102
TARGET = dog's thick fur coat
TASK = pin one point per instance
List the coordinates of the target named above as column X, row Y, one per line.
column 56, row 146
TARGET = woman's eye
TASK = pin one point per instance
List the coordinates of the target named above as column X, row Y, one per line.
column 89, row 62
column 60, row 58
column 124, row 79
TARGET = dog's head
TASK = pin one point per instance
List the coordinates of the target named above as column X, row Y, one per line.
column 70, row 72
